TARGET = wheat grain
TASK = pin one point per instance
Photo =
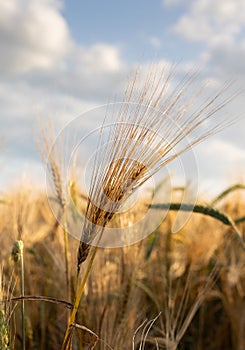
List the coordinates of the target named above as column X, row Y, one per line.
column 151, row 123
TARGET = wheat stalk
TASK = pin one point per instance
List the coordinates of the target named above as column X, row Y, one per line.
column 4, row 317
column 53, row 162
column 141, row 140
column 227, row 191
column 205, row 210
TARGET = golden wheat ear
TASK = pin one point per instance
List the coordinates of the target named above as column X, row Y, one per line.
column 83, row 252
column 149, row 129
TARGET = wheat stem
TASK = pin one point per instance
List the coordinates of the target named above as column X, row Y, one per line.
column 205, row 210
column 78, row 297
column 227, row 191
column 21, row 245
column 39, row 298
column 67, row 268
column 239, row 220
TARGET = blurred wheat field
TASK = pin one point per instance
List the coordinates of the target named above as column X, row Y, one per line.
column 170, row 291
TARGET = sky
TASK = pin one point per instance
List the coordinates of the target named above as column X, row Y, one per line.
column 60, row 59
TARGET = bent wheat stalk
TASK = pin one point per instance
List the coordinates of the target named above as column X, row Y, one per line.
column 227, row 191
column 205, row 210
column 148, row 131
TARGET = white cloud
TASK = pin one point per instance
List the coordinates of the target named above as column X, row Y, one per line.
column 35, row 42
column 90, row 73
column 98, row 58
column 46, row 75
column 35, row 38
column 227, row 59
column 212, row 22
column 33, row 35
column 227, row 152
column 218, row 27
column 220, row 163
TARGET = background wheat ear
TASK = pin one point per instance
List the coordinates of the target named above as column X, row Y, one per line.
column 51, row 152
column 52, row 160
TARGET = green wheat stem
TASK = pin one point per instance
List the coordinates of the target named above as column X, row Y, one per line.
column 18, row 257
column 205, row 210
column 66, row 253
column 67, row 262
column 227, row 191
column 21, row 247
column 239, row 220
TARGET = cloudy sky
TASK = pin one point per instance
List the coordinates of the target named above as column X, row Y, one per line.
column 61, row 58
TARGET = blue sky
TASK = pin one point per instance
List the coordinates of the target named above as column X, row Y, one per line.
column 61, row 58
column 142, row 29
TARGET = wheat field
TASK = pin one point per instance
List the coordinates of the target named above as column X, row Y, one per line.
column 170, row 291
